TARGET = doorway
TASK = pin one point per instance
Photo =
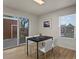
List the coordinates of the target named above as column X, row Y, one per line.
column 10, row 33
column 14, row 31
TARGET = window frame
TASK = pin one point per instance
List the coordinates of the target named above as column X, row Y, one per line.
column 60, row 27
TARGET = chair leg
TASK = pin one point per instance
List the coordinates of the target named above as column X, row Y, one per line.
column 53, row 53
column 45, row 55
column 50, row 53
column 30, row 50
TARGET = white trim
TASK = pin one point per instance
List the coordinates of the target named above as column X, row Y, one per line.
column 18, row 26
column 9, row 18
column 60, row 28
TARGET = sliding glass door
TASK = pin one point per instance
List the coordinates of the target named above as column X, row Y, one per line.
column 23, row 30
column 9, row 33
column 15, row 29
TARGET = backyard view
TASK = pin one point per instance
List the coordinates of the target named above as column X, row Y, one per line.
column 67, row 25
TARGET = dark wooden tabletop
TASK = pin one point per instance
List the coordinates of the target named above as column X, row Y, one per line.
column 40, row 38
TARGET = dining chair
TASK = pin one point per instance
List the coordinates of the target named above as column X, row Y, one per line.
column 41, row 44
column 48, row 46
column 31, row 43
column 30, row 37
column 36, row 35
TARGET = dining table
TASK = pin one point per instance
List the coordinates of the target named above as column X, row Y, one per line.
column 38, row 39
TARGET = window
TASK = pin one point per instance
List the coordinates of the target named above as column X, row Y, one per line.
column 67, row 25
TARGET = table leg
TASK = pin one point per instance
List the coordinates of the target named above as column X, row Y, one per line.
column 27, row 47
column 37, row 51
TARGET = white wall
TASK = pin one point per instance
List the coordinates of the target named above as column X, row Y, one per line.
column 36, row 25
column 54, row 30
column 33, row 28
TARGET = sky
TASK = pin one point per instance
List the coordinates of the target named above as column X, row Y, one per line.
column 65, row 20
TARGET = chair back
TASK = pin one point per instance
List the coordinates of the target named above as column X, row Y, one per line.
column 29, row 41
column 36, row 35
column 28, row 37
column 48, row 45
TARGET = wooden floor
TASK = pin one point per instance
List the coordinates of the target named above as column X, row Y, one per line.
column 20, row 53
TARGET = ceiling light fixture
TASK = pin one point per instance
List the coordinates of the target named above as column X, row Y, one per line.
column 39, row 2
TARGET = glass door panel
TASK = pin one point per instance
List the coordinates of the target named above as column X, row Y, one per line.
column 24, row 27
column 15, row 31
column 10, row 33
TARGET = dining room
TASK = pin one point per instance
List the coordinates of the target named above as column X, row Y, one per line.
column 39, row 29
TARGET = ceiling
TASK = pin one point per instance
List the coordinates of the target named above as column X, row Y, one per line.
column 34, row 8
